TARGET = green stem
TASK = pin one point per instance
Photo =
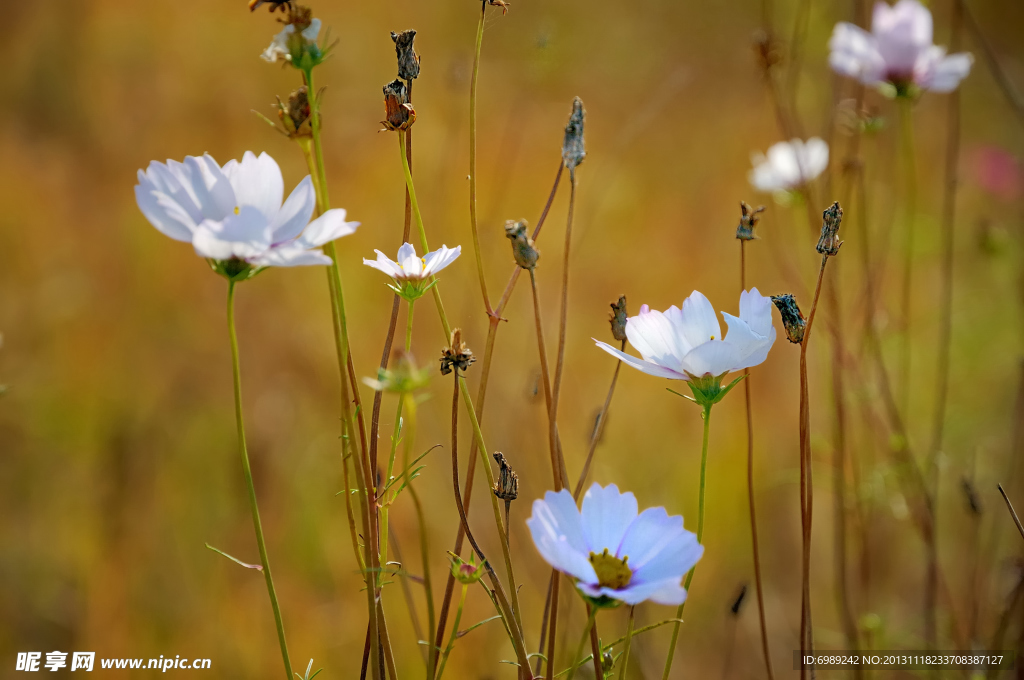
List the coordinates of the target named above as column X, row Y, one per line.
column 700, row 538
column 577, row 658
column 467, row 399
column 247, row 470
column 907, row 146
column 455, row 630
column 472, row 157
column 625, row 651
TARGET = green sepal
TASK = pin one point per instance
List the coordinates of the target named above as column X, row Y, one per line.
column 234, row 270
column 707, row 390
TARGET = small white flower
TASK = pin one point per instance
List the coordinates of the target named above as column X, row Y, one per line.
column 789, row 165
column 280, row 48
column 897, row 51
column 235, row 212
column 687, row 343
column 613, row 551
column 411, row 272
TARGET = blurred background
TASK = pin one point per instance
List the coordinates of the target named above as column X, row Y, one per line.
column 118, row 456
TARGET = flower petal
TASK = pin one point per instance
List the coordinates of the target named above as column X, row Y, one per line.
column 384, row 264
column 657, row 339
column 167, row 216
column 294, row 215
column 714, row 357
column 440, row 258
column 329, row 226
column 756, row 311
column 257, row 182
column 606, row 514
column 646, row 366
column 556, row 529
column 949, row 71
column 245, row 235
column 751, row 348
column 669, row 591
column 290, row 255
column 698, row 322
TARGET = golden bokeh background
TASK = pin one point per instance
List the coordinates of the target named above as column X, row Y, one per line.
column 118, row 456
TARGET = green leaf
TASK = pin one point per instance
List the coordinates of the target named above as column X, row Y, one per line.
column 257, row 567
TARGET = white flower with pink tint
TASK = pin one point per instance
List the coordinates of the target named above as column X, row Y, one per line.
column 789, row 165
column 898, row 51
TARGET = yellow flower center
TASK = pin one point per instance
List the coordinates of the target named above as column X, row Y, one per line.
column 237, row 210
column 611, row 571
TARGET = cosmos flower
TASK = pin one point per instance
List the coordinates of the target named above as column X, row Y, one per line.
column 233, row 215
column 898, row 51
column 284, row 45
column 615, row 553
column 789, row 165
column 687, row 343
column 412, row 273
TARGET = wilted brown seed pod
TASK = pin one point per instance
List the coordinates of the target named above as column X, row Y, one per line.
column 507, row 486
column 617, row 319
column 525, row 254
column 829, row 243
column 457, row 355
column 749, row 218
column 792, row 318
column 573, row 146
column 408, row 60
column 294, row 113
column 499, row 3
column 399, row 114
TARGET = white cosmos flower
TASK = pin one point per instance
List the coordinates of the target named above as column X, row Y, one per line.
column 612, row 550
column 411, row 273
column 789, row 165
column 235, row 212
column 280, row 48
column 897, row 51
column 687, row 343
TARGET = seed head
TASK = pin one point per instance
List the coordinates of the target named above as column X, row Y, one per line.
column 829, row 243
column 749, row 217
column 507, row 486
column 522, row 245
column 573, row 147
column 399, row 114
column 792, row 318
column 617, row 319
column 295, row 113
column 466, row 571
column 457, row 355
column 408, row 60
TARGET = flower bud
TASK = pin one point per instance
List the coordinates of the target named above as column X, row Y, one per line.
column 468, row 571
column 829, row 243
column 749, row 218
column 607, row 662
column 522, row 245
column 295, row 113
column 408, row 60
column 457, row 355
column 499, row 3
column 404, row 377
column 792, row 318
column 573, row 147
column 507, row 486
column 398, row 111
column 617, row 319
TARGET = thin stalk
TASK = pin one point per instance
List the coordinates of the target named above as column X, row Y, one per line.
column 598, row 430
column 556, row 385
column 472, row 156
column 557, row 463
column 577, row 658
column 410, row 437
column 482, row 448
column 750, row 489
column 410, row 603
column 907, row 149
column 807, row 482
column 1013, row 513
column 627, row 645
column 347, row 371
column 700, row 539
column 485, row 372
column 247, row 471
column 499, row 593
column 455, row 631
column 552, row 621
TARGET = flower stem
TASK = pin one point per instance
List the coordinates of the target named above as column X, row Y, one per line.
column 907, row 147
column 577, row 658
column 247, row 471
column 467, row 399
column 455, row 631
column 627, row 645
column 472, row 156
column 750, row 488
column 700, row 537
column 556, row 384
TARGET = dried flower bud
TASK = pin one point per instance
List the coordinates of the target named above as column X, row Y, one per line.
column 738, row 602
column 408, row 60
column 749, row 218
column 525, row 254
column 499, row 3
column 398, row 111
column 274, row 5
column 573, row 148
column 295, row 113
column 766, row 49
column 507, row 486
column 792, row 318
column 466, row 571
column 456, row 356
column 617, row 319
column 829, row 243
